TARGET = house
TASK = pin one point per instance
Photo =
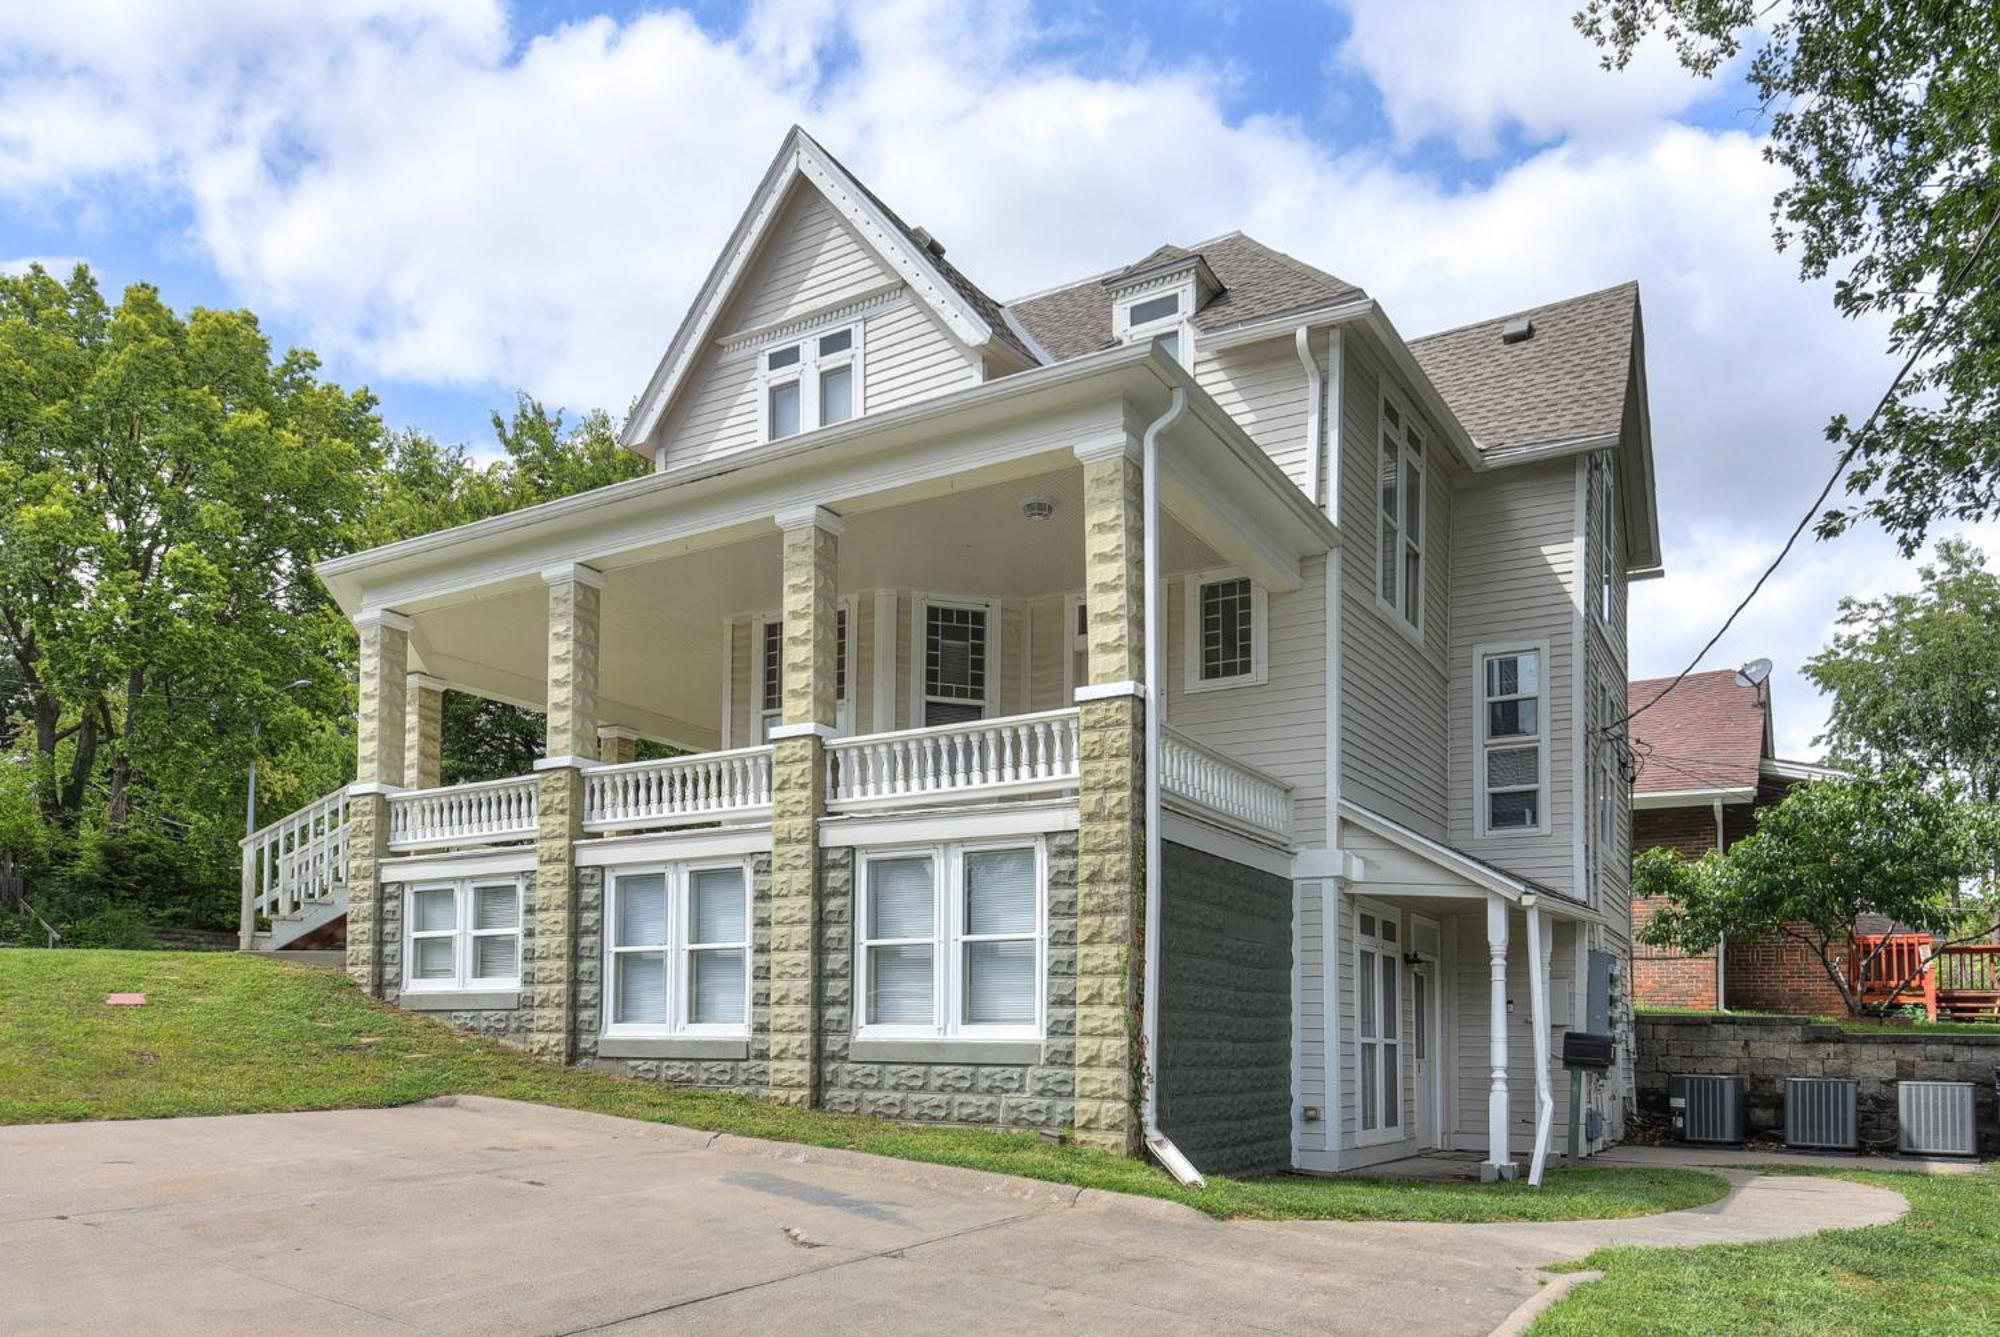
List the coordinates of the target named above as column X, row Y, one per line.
column 1705, row 768
column 1172, row 707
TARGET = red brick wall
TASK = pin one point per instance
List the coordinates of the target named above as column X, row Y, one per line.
column 1662, row 977
column 1781, row 975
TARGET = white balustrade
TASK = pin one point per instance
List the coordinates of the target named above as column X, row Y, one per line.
column 706, row 786
column 464, row 814
column 298, row 860
column 1242, row 795
column 1020, row 753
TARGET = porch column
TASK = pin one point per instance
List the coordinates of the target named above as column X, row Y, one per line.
column 616, row 745
column 1111, row 837
column 378, row 771
column 423, row 738
column 811, row 546
column 1499, row 1162
column 574, row 598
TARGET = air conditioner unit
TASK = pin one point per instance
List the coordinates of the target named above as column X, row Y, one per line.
column 1820, row 1114
column 1706, row 1109
column 1935, row 1119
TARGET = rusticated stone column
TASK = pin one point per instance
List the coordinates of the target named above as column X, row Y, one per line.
column 572, row 745
column 798, row 783
column 616, row 745
column 1111, row 844
column 423, row 746
column 378, row 770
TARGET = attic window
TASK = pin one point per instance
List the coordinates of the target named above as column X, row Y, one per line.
column 813, row 383
column 1161, row 319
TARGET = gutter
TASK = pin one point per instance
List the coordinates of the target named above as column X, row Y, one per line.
column 1157, row 1142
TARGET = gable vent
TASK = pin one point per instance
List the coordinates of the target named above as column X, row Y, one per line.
column 928, row 242
column 1517, row 331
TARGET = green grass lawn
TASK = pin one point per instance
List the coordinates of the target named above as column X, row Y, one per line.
column 226, row 1034
column 1935, row 1271
column 1856, row 1025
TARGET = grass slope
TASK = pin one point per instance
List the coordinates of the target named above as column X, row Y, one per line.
column 225, row 1034
column 1935, row 1271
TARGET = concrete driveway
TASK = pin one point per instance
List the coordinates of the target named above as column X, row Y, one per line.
column 477, row 1215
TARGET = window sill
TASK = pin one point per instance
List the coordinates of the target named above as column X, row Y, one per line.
column 1011, row 1052
column 1196, row 686
column 672, row 1046
column 459, row 1000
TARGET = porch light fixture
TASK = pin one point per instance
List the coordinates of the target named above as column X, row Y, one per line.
column 1037, row 509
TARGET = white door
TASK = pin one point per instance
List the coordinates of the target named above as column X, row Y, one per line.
column 1423, row 1046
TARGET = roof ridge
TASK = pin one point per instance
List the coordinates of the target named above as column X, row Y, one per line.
column 1526, row 310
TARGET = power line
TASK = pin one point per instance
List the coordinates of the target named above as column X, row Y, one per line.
column 1839, row 468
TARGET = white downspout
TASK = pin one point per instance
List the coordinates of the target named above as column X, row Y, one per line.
column 1538, row 1014
column 1157, row 1142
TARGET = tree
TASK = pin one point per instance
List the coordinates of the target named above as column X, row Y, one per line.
column 1915, row 678
column 1826, row 855
column 1886, row 114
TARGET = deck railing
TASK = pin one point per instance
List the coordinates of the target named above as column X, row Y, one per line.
column 1220, row 786
column 985, row 758
column 463, row 814
column 296, row 861
column 704, row 787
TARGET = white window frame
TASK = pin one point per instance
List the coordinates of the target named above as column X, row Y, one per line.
column 1393, row 608
column 1191, row 633
column 1180, row 324
column 462, row 933
column 920, row 607
column 1075, row 642
column 766, row 717
column 807, row 371
column 1483, row 744
column 1389, row 1049
column 948, row 941
column 1604, row 487
column 678, row 880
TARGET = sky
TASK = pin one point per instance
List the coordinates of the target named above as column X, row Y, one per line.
column 453, row 201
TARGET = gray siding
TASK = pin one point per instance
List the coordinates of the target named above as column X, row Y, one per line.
column 1263, row 387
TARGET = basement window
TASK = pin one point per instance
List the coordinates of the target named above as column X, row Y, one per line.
column 678, row 957
column 463, row 935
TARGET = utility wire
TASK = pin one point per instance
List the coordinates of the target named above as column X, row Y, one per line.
column 1839, row 468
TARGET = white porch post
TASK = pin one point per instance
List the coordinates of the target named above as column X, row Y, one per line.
column 1499, row 1163
column 1541, row 940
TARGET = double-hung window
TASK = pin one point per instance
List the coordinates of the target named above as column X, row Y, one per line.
column 815, row 382
column 678, row 951
column 950, row 942
column 1378, row 1020
column 957, row 672
column 1225, row 621
column 1400, row 570
column 464, row 935
column 770, row 684
column 1512, row 755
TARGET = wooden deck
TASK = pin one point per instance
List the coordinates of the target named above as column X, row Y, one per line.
column 1960, row 983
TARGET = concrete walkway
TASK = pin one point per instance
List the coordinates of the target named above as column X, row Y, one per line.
column 480, row 1215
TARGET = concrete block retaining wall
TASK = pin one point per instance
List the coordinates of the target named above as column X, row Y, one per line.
column 1767, row 1050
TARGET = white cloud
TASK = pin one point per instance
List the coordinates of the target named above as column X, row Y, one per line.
column 433, row 197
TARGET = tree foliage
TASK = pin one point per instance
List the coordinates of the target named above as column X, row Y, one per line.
column 1822, row 858
column 1886, row 115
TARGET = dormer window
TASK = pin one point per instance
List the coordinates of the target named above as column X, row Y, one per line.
column 1161, row 318
column 815, row 382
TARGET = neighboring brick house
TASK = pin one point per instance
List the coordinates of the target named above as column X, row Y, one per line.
column 1705, row 770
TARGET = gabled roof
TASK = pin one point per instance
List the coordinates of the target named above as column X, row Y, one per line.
column 1257, row 283
column 1709, row 734
column 1567, row 381
column 974, row 318
column 1480, row 872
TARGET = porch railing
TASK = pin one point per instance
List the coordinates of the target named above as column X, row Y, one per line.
column 296, row 861
column 1959, row 983
column 1220, row 786
column 461, row 814
column 985, row 758
column 707, row 786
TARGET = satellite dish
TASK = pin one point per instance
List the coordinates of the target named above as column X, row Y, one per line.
column 1753, row 673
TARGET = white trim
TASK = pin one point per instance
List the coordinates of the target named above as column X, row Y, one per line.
column 1192, row 646
column 1013, row 818
column 1478, row 874
column 808, row 371
column 464, row 888
column 1180, row 324
column 1779, row 769
column 1691, row 798
column 464, row 863
column 778, row 733
column 727, row 735
column 678, row 950
column 1579, row 681
column 1108, row 447
column 566, row 761
column 1108, row 691
column 609, row 731
column 1540, row 741
column 1388, row 953
column 573, row 572
column 672, row 846
column 890, row 295
column 885, row 662
column 1195, row 834
column 414, row 681
column 810, row 517
column 364, row 788
column 1332, row 1019
column 1074, row 605
column 1389, row 395
column 381, row 617
column 920, row 603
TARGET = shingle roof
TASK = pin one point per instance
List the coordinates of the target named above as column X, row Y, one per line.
column 1565, row 382
column 1257, row 283
column 1707, row 733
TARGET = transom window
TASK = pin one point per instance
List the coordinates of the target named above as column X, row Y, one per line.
column 813, row 383
column 678, row 950
column 1225, row 616
column 956, row 676
column 1511, row 724
column 464, row 935
column 950, row 942
column 1400, row 573
column 1378, row 964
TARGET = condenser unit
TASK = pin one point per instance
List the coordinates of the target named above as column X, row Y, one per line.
column 1706, row 1109
column 1935, row 1119
column 1820, row 1114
